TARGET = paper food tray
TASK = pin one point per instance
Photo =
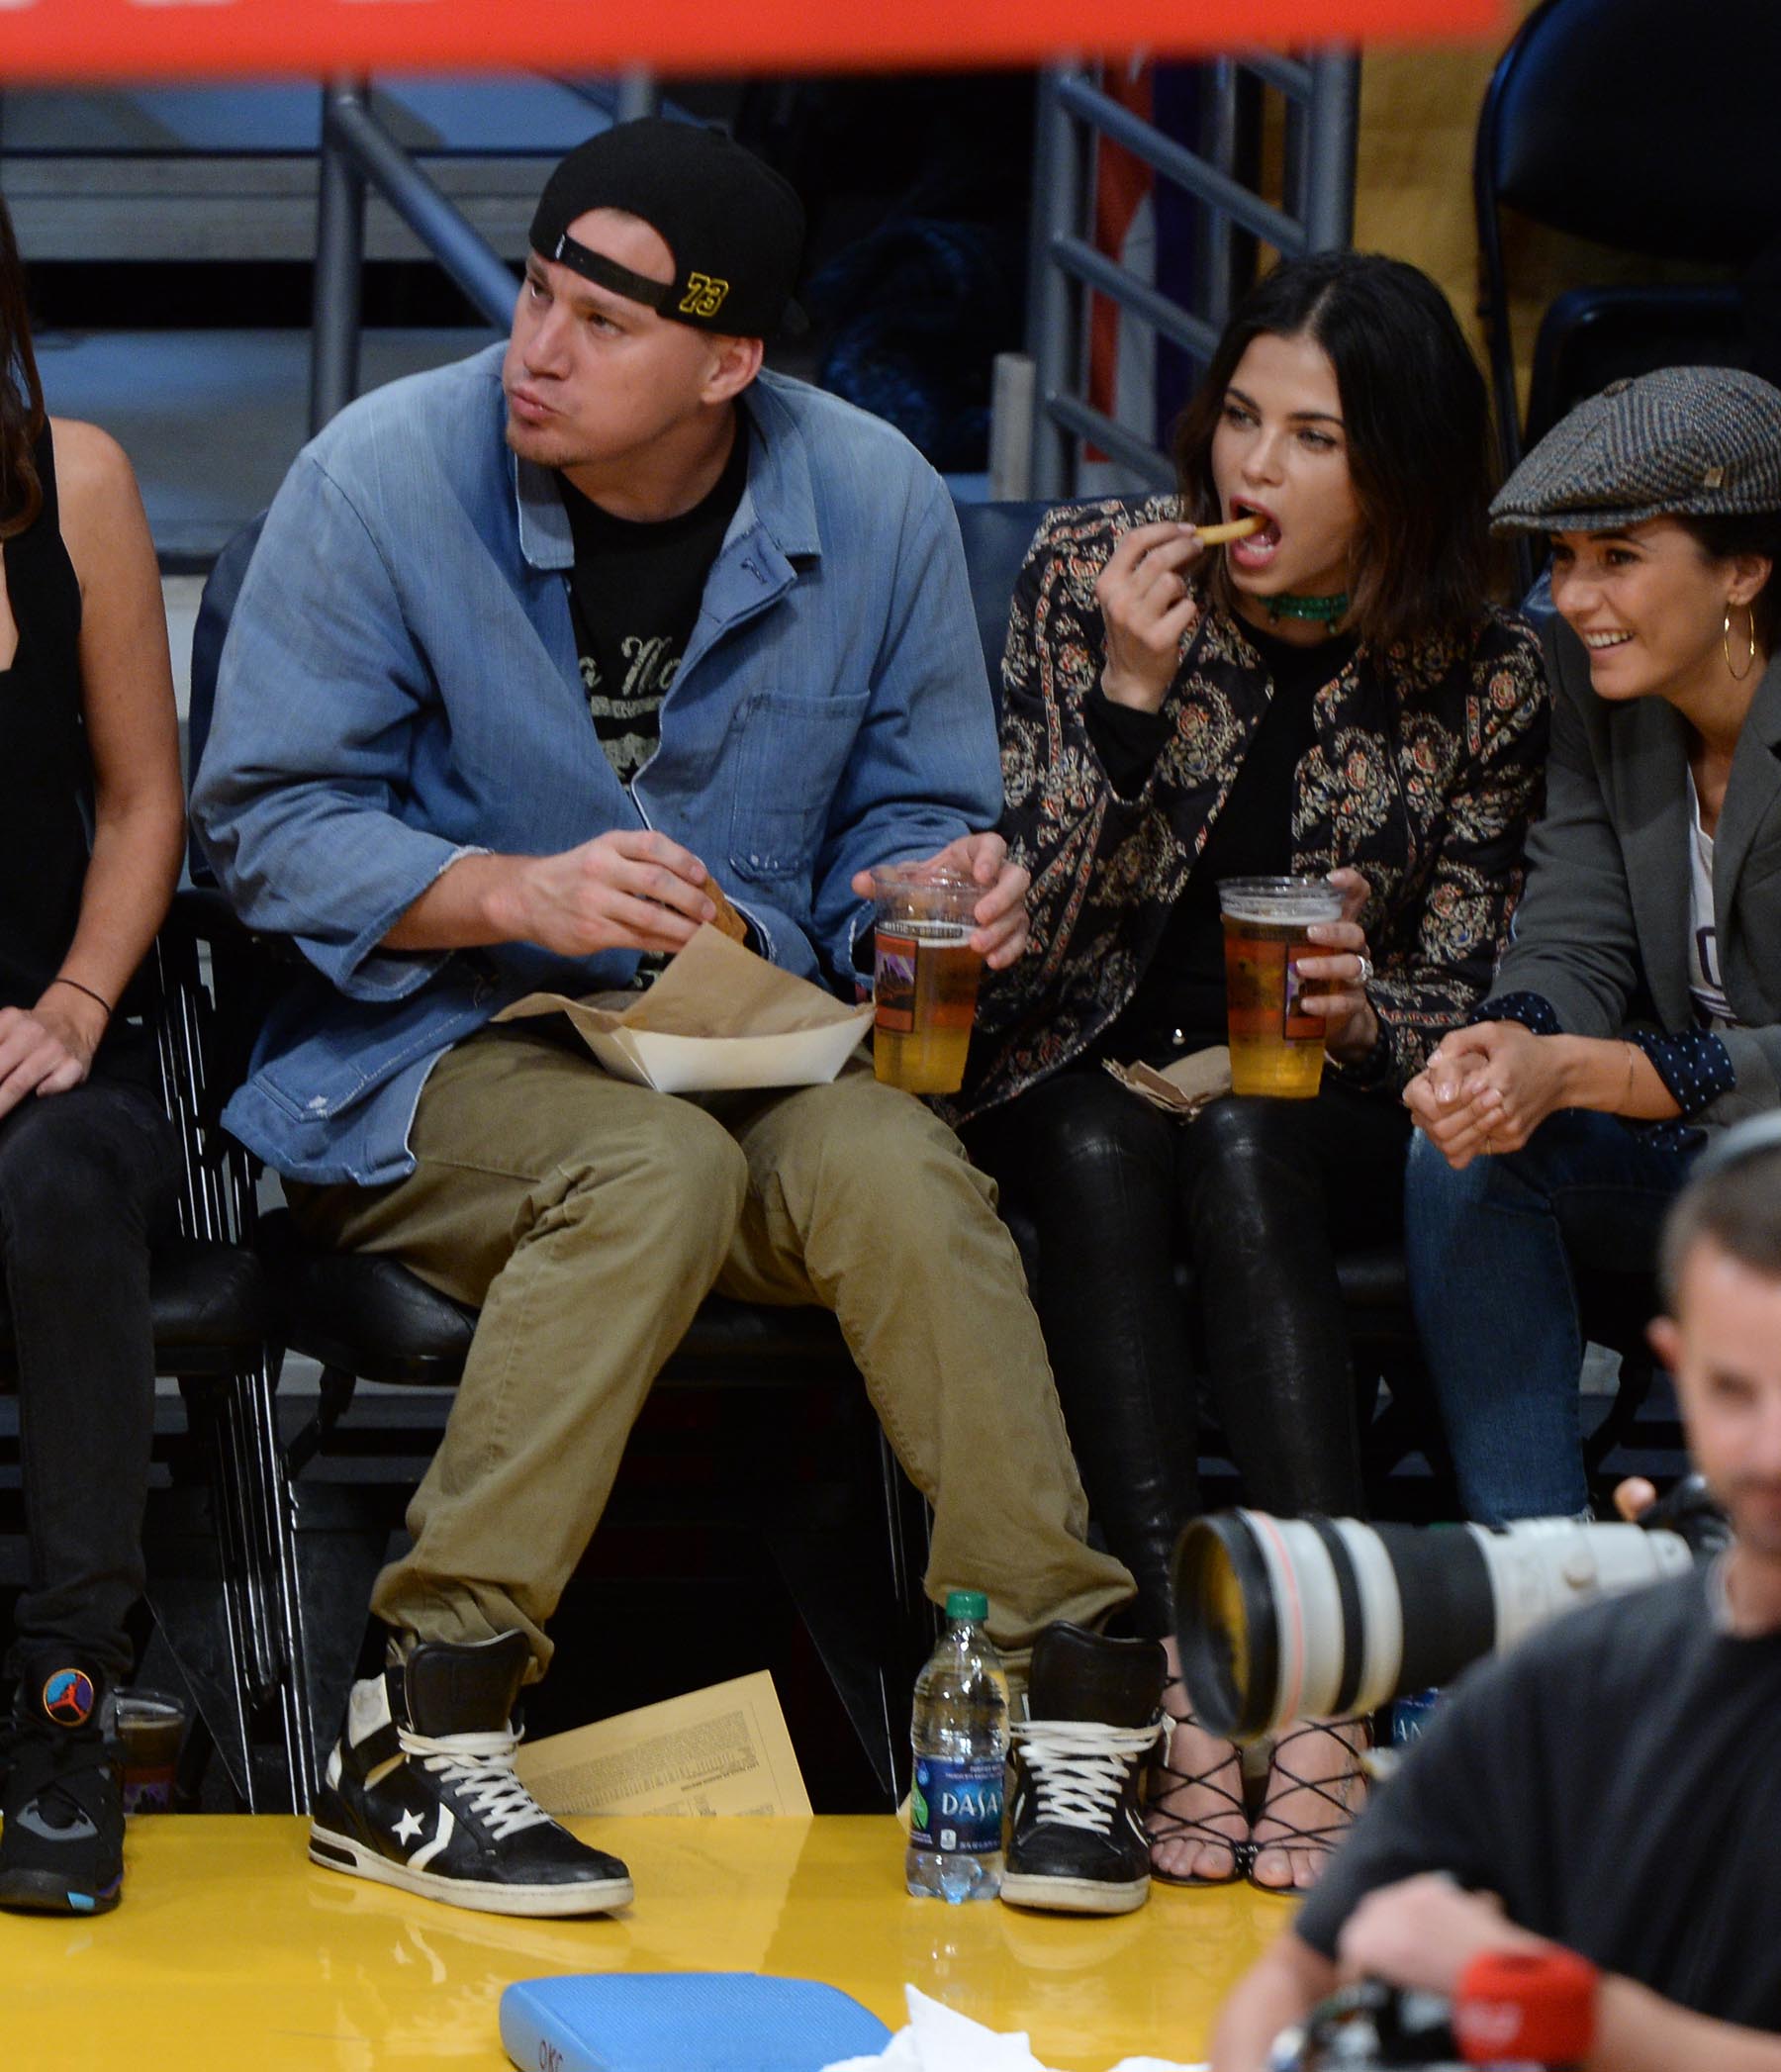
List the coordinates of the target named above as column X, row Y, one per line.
column 718, row 1018
column 709, row 1064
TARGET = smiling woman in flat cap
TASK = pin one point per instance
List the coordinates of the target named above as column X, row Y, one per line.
column 1637, row 1008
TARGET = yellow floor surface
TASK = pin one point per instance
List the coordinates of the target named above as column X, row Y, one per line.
column 231, row 1949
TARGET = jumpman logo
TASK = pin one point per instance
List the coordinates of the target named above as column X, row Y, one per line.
column 68, row 1697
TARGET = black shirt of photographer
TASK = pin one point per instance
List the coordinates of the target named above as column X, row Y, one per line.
column 1615, row 1780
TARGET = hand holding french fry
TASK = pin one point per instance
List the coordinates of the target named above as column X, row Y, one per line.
column 726, row 920
column 1145, row 606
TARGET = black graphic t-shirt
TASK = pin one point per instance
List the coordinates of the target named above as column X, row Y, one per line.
column 633, row 594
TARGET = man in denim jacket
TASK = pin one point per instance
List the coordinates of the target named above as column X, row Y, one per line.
column 534, row 651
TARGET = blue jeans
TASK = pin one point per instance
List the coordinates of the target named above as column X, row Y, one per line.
column 1491, row 1252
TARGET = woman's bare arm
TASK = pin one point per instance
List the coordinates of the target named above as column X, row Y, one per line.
column 126, row 699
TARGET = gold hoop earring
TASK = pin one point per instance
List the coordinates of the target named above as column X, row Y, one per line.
column 1737, row 675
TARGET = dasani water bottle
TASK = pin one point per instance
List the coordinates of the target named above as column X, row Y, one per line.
column 960, row 1737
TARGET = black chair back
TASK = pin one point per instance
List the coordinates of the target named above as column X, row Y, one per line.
column 1642, row 128
column 1639, row 125
column 996, row 537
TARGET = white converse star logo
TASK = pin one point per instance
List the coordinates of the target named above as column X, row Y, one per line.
column 407, row 1827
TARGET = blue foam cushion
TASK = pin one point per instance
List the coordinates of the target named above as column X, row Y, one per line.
column 671, row 2022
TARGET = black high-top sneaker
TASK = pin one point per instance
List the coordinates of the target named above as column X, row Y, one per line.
column 420, row 1792
column 1075, row 1829
column 61, row 1849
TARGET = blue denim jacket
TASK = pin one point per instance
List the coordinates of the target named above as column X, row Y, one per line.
column 400, row 687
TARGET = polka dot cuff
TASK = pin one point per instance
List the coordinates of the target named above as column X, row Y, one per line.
column 1694, row 1065
column 1531, row 1009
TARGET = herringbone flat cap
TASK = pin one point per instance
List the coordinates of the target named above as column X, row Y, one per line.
column 1695, row 441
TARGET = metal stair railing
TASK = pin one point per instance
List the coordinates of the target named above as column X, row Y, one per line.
column 1321, row 95
column 358, row 153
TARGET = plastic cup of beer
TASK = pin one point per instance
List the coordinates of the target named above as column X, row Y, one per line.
column 1276, row 1048
column 150, row 1728
column 925, row 990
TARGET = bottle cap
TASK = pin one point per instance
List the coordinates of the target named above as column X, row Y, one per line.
column 1525, row 2004
column 966, row 1604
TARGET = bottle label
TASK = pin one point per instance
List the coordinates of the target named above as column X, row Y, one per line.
column 957, row 1807
column 1410, row 1715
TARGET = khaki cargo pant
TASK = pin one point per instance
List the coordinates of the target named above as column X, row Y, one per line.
column 588, row 1218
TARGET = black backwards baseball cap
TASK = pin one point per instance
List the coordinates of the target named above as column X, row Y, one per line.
column 735, row 228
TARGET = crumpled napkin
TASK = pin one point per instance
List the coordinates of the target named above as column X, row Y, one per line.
column 1182, row 1088
column 939, row 2040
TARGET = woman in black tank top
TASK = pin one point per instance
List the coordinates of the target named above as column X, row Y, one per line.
column 91, row 828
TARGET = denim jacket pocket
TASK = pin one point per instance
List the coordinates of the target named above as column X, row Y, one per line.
column 787, row 756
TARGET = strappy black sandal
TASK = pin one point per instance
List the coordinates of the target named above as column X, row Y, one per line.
column 1163, row 1826
column 1285, row 1780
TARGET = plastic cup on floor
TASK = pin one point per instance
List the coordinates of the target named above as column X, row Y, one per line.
column 150, row 1730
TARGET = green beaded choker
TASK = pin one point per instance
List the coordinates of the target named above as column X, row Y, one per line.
column 1325, row 610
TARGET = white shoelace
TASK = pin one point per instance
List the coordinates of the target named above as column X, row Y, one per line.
column 1079, row 1767
column 482, row 1766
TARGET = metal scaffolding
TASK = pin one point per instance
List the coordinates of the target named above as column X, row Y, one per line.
column 358, row 153
column 1076, row 115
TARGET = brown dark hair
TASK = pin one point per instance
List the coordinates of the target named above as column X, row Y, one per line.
column 1734, row 1205
column 20, row 392
column 1746, row 532
column 1417, row 417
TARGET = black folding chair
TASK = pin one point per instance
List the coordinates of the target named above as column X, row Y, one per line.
column 1649, row 128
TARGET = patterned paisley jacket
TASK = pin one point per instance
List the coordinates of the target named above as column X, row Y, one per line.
column 1426, row 773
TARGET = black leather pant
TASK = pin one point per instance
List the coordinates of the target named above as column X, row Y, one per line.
column 1252, row 1194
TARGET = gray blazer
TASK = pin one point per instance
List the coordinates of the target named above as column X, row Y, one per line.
column 1602, row 929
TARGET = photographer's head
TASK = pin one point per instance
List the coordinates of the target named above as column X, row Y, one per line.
column 1721, row 1337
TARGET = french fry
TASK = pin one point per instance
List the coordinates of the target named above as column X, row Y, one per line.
column 728, row 921
column 1238, row 529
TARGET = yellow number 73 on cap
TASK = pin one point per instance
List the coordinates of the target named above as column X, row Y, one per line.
column 704, row 296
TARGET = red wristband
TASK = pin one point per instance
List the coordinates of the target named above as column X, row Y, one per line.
column 1535, row 2005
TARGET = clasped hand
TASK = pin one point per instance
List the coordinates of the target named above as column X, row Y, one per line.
column 629, row 888
column 1486, row 1089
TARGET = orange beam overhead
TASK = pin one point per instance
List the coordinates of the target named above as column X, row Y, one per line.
column 61, row 39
